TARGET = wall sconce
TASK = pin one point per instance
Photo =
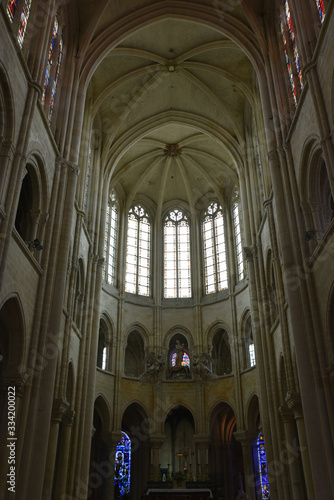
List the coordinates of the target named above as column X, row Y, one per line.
column 35, row 245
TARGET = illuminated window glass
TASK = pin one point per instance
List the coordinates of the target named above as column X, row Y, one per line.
column 321, row 9
column 137, row 272
column 122, row 467
column 185, row 361
column 215, row 267
column 11, row 8
column 177, row 278
column 23, row 22
column 291, row 53
column 52, row 71
column 238, row 243
column 262, row 467
column 110, row 239
column 251, row 350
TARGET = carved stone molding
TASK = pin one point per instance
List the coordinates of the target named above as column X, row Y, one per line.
column 286, row 413
column 293, row 401
column 60, row 407
column 18, row 380
column 250, row 252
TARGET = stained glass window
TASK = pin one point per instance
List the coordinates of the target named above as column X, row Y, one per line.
column 122, row 467
column 110, row 240
column 262, row 467
column 185, row 361
column 50, row 58
column 177, row 275
column 11, row 8
column 53, row 66
column 137, row 272
column 251, row 350
column 238, row 243
column 56, row 76
column 291, row 53
column 23, row 21
column 215, row 267
column 321, row 9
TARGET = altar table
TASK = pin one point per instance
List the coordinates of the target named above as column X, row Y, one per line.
column 178, row 494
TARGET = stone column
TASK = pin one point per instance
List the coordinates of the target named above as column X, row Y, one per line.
column 156, row 442
column 60, row 406
column 111, row 439
column 64, row 453
column 17, row 381
column 292, row 454
column 293, row 401
column 246, row 440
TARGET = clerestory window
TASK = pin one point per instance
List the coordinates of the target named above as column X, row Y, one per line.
column 215, row 266
column 177, row 272
column 137, row 272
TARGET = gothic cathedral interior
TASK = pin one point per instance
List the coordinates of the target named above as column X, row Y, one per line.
column 166, row 249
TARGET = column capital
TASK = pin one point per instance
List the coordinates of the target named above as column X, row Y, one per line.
column 250, row 252
column 244, row 437
column 286, row 413
column 60, row 407
column 16, row 379
column 293, row 400
column 156, row 440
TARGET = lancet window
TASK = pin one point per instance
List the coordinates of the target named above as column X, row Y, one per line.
column 215, row 267
column 137, row 272
column 177, row 273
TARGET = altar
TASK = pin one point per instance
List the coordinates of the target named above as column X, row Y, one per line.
column 178, row 494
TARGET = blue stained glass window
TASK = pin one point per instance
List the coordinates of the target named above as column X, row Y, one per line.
column 262, row 467
column 122, row 467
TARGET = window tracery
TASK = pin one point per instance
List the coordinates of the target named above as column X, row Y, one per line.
column 215, row 266
column 177, row 273
column 137, row 272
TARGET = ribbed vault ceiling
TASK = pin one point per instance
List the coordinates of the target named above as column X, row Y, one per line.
column 173, row 81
